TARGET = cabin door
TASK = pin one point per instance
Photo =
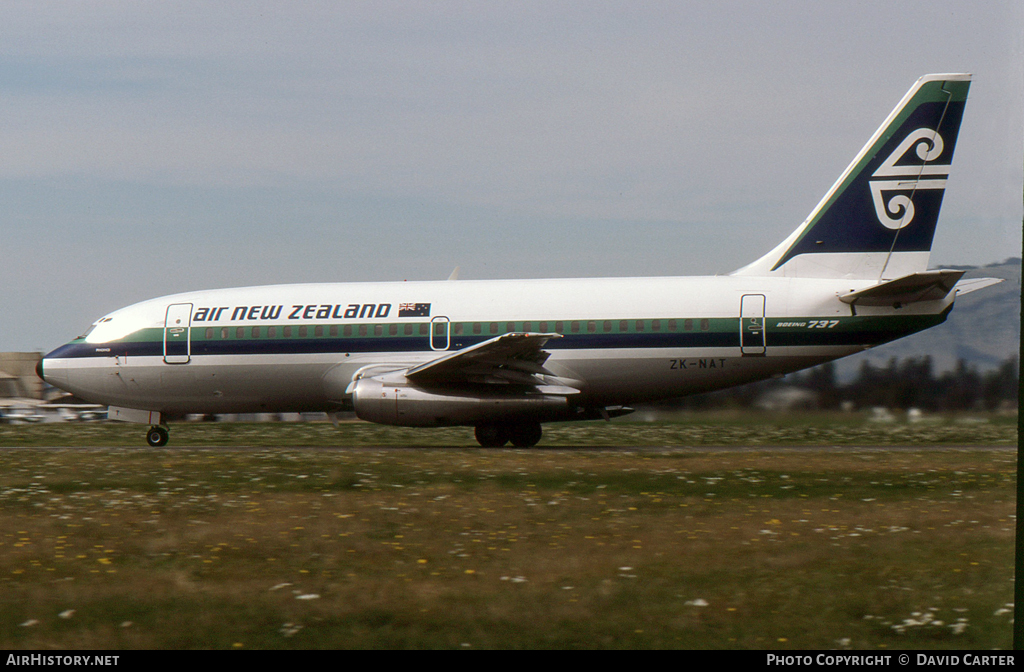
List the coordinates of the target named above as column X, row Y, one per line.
column 177, row 333
column 752, row 325
column 440, row 336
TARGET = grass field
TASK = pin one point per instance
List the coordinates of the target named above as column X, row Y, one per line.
column 451, row 547
column 741, row 428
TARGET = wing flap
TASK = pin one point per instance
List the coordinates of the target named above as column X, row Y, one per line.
column 514, row 358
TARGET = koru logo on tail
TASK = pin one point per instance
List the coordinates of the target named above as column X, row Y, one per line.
column 898, row 211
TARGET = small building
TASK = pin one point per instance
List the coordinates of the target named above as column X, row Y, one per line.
column 18, row 375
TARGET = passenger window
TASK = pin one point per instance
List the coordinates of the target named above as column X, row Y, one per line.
column 423, row 329
column 639, row 325
column 705, row 324
column 560, row 327
column 607, row 326
column 378, row 330
column 224, row 332
column 526, row 326
column 393, row 329
column 287, row 331
column 544, row 327
column 209, row 332
column 346, row 330
column 591, row 326
column 494, row 327
column 303, row 330
column 318, row 331
column 408, row 330
column 687, row 325
column 334, row 330
column 623, row 326
column 476, row 327
column 362, row 330
column 255, row 332
column 271, row 332
column 575, row 326
column 510, row 327
column 655, row 325
column 457, row 328
column 671, row 325
column 239, row 332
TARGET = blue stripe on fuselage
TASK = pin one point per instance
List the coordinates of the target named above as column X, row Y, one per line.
column 297, row 346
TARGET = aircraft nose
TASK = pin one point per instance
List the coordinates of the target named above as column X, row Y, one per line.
column 52, row 368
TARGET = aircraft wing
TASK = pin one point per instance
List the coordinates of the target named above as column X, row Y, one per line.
column 515, row 358
column 926, row 286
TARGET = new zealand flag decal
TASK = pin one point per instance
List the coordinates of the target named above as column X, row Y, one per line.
column 414, row 310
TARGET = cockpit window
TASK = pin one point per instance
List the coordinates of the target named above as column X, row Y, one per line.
column 92, row 327
column 116, row 327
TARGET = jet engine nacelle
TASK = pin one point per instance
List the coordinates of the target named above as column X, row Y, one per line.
column 392, row 400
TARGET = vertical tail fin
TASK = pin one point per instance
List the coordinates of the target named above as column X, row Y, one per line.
column 878, row 219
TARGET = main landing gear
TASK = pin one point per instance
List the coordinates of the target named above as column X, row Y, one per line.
column 522, row 434
column 157, row 436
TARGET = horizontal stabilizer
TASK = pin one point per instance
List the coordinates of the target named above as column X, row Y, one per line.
column 926, row 286
column 974, row 284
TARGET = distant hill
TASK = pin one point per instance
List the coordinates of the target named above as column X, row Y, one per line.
column 983, row 329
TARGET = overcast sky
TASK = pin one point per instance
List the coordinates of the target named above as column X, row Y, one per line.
column 150, row 148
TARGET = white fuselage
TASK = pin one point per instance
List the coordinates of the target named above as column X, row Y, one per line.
column 298, row 347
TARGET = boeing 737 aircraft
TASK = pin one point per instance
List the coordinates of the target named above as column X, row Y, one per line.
column 505, row 356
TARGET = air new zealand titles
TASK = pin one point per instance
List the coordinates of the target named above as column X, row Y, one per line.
column 313, row 311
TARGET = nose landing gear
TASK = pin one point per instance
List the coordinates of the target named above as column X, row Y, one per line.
column 157, row 436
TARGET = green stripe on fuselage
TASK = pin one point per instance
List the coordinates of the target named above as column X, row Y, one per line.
column 780, row 331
